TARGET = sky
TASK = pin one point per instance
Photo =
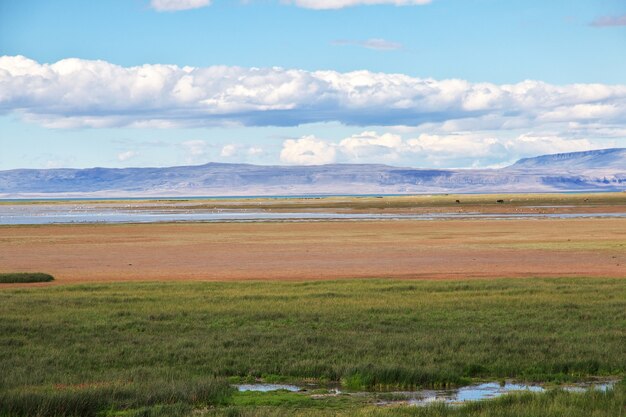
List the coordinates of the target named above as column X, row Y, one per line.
column 419, row 83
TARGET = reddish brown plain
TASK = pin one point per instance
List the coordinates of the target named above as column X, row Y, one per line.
column 318, row 250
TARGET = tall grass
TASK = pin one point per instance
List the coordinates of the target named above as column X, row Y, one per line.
column 86, row 401
column 121, row 341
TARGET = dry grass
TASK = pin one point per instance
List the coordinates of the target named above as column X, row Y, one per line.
column 318, row 250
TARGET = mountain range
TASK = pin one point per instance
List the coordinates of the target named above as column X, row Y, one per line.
column 597, row 170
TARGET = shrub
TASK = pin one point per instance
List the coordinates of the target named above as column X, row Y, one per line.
column 24, row 277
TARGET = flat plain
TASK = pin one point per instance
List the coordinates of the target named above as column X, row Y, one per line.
column 161, row 319
column 318, row 250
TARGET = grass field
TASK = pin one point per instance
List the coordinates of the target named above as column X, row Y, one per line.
column 109, row 346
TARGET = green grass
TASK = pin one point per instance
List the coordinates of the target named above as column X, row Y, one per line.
column 293, row 400
column 111, row 344
column 92, row 400
column 24, row 277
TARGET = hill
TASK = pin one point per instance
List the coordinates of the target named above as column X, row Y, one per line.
column 599, row 170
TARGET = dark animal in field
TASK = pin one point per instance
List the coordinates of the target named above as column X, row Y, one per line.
column 458, row 201
column 500, row 201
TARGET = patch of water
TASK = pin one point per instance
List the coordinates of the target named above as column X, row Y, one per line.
column 477, row 392
column 492, row 390
column 470, row 393
column 49, row 214
column 586, row 386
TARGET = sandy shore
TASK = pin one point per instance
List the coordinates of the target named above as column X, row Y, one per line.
column 318, row 250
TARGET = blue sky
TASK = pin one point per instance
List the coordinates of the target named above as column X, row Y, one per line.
column 439, row 84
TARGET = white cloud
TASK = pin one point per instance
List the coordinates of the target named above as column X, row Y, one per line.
column 339, row 4
column 81, row 93
column 125, row 156
column 176, row 5
column 455, row 145
column 228, row 150
column 369, row 144
column 532, row 145
column 375, row 43
column 232, row 150
column 255, row 151
column 461, row 149
column 308, row 150
column 195, row 148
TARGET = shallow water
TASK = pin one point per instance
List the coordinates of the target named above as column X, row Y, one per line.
column 493, row 390
column 477, row 392
column 267, row 387
column 54, row 213
column 471, row 393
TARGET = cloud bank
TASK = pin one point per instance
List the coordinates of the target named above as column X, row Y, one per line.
column 74, row 93
column 450, row 150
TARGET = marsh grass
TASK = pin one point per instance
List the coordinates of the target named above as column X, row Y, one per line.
column 92, row 400
column 293, row 400
column 24, row 277
column 121, row 341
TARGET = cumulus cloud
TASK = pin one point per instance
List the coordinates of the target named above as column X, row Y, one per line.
column 370, row 144
column 339, row 4
column 82, row 93
column 461, row 149
column 176, row 5
column 375, row 43
column 308, row 150
column 125, row 156
column 608, row 21
column 232, row 150
column 228, row 150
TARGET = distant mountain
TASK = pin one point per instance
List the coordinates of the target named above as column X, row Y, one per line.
column 614, row 159
column 579, row 171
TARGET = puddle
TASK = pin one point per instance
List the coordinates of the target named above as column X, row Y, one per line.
column 491, row 390
column 267, row 387
column 477, row 392
column 470, row 393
